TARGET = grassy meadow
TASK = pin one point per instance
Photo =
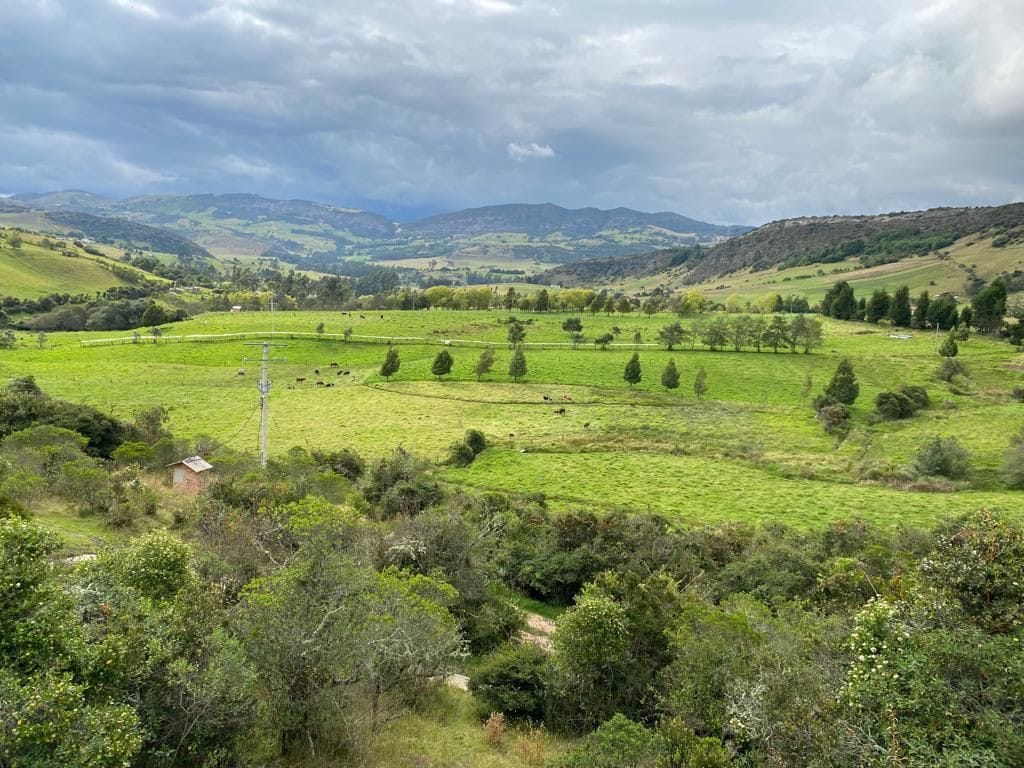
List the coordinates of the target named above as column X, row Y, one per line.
column 749, row 449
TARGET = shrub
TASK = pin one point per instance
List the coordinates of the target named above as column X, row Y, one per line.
column 532, row 748
column 835, row 419
column 476, row 441
column 494, row 729
column 460, row 454
column 1017, row 393
column 1013, row 464
column 918, row 394
column 343, row 462
column 944, row 457
column 894, row 405
column 950, row 367
column 511, row 681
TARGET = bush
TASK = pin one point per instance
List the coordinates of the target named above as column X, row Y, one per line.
column 1017, row 393
column 894, row 405
column 511, row 681
column 950, row 367
column 944, row 457
column 476, row 441
column 918, row 394
column 462, row 453
column 835, row 419
column 494, row 729
column 1013, row 464
column 343, row 462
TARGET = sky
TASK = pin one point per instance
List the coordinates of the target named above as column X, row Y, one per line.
column 728, row 111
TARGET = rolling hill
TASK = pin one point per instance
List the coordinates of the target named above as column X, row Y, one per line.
column 317, row 234
column 943, row 249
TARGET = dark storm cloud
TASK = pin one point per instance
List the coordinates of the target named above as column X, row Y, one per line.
column 724, row 110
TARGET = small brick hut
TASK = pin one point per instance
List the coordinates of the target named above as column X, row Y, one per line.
column 190, row 475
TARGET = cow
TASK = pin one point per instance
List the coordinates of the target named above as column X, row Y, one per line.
column 316, row 371
column 382, row 317
column 560, row 411
column 566, row 397
column 345, row 373
column 362, row 317
column 334, row 365
column 299, row 380
column 241, row 372
column 586, row 425
column 321, row 384
column 340, row 373
column 547, row 399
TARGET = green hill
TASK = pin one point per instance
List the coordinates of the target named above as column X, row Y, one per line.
column 37, row 266
column 941, row 250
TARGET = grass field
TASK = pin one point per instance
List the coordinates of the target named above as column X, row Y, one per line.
column 32, row 270
column 750, row 449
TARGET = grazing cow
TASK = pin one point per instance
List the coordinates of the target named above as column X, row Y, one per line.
column 362, row 317
column 321, row 384
column 382, row 317
column 586, row 425
column 345, row 373
column 299, row 380
column 241, row 372
column 511, row 435
column 316, row 371
column 334, row 365
column 548, row 399
column 340, row 373
column 566, row 397
column 560, row 411
column 329, row 385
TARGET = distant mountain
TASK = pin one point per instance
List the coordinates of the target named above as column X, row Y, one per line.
column 852, row 244
column 316, row 234
column 547, row 219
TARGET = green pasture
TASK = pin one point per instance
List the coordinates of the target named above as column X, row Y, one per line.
column 32, row 270
column 749, row 449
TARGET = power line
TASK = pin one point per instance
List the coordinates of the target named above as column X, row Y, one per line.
column 244, row 425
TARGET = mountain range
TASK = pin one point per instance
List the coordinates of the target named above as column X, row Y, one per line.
column 312, row 233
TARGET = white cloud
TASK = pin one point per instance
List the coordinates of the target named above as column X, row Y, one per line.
column 518, row 151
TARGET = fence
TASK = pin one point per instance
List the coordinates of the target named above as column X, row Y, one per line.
column 395, row 340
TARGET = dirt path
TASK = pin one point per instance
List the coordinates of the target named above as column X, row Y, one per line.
column 538, row 631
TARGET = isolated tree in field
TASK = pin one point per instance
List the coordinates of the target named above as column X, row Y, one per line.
column 517, row 366
column 900, row 313
column 391, row 364
column 347, row 333
column 670, row 376
column 442, row 364
column 516, row 333
column 805, row 390
column 843, row 388
column 156, row 333
column 41, row 340
column 637, row 338
column 671, row 335
column 604, row 340
column 700, row 383
column 484, row 363
column 949, row 347
column 632, row 373
column 320, row 328
column 574, row 327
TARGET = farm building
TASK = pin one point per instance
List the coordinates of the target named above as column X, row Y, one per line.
column 190, row 475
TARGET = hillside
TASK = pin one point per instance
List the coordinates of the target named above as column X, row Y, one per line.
column 32, row 266
column 529, row 237
column 945, row 249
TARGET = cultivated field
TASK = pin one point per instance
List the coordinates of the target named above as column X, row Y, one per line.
column 750, row 448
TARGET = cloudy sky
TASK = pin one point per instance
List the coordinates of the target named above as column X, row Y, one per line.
column 738, row 111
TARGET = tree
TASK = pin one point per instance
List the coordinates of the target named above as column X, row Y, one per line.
column 716, row 333
column 900, row 314
column 623, row 306
column 700, row 383
column 320, row 328
column 878, row 306
column 516, row 333
column 843, row 388
column 670, row 376
column 839, row 302
column 810, row 333
column 632, row 373
column 921, row 310
column 949, row 347
column 484, row 364
column 41, row 340
column 517, row 366
column 543, row 302
column 1013, row 464
column 609, row 305
column 989, row 307
column 604, row 340
column 391, row 364
column 347, row 333
column 442, row 364
column 943, row 456
column 156, row 333
column 574, row 327
column 671, row 335
column 777, row 333
column 637, row 338
column 154, row 315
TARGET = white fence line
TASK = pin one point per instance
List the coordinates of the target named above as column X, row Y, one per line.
column 213, row 337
